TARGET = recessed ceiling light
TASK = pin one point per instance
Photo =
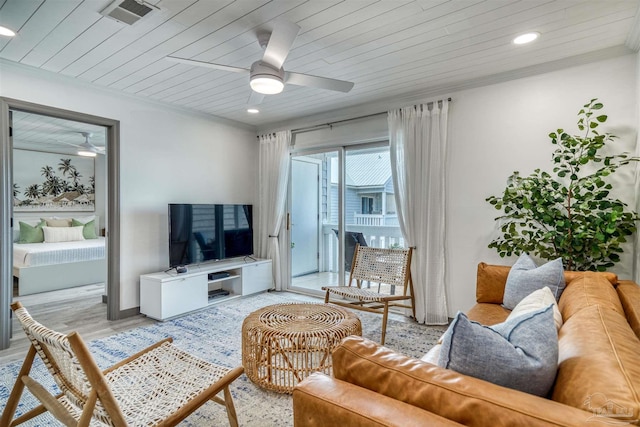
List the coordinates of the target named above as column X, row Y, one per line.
column 4, row 31
column 526, row 38
column 253, row 110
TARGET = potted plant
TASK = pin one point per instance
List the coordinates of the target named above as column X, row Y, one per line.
column 570, row 213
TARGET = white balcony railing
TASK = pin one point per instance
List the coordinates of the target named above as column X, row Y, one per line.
column 375, row 219
column 376, row 236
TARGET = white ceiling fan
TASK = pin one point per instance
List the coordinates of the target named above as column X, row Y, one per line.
column 86, row 149
column 266, row 76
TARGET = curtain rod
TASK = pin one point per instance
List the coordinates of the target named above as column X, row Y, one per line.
column 330, row 124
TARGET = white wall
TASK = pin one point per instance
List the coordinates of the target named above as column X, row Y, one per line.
column 166, row 156
column 497, row 129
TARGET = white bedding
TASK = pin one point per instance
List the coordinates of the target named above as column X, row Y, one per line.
column 34, row 254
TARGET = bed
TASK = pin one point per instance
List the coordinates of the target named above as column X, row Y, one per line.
column 43, row 267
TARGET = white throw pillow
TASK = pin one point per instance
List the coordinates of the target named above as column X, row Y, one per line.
column 62, row 234
column 535, row 301
column 433, row 355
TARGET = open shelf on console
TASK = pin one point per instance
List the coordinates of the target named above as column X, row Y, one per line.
column 222, row 279
column 165, row 294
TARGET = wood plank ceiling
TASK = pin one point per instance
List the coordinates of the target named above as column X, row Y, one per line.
column 391, row 49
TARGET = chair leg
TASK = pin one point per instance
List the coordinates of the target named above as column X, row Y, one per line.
column 231, row 410
column 18, row 387
column 326, row 297
column 384, row 322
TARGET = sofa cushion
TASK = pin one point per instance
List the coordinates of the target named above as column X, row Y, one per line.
column 490, row 283
column 588, row 289
column 520, row 354
column 629, row 294
column 488, row 314
column 525, row 277
column 598, row 364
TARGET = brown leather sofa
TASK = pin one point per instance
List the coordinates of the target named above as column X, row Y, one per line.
column 598, row 379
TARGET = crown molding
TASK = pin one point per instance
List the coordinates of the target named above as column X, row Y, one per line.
column 633, row 38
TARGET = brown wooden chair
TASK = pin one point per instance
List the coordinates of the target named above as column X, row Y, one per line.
column 384, row 266
column 159, row 386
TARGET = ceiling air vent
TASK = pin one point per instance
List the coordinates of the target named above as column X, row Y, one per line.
column 127, row 11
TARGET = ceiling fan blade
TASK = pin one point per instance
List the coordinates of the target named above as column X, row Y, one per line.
column 207, row 64
column 255, row 98
column 280, row 43
column 299, row 79
column 55, row 141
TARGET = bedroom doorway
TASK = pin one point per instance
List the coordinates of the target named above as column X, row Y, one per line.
column 47, row 181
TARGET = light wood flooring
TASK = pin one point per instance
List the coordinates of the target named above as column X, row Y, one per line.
column 77, row 309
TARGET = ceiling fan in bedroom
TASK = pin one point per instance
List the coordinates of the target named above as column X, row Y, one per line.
column 86, row 149
column 266, row 76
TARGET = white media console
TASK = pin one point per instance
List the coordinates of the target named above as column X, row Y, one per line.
column 167, row 294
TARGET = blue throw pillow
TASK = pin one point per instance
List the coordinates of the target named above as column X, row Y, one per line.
column 521, row 353
column 525, row 277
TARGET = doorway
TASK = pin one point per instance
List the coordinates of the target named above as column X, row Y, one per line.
column 356, row 205
column 7, row 214
column 305, row 195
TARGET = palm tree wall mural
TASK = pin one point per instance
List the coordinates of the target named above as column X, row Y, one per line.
column 52, row 182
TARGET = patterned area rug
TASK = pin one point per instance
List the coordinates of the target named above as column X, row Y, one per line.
column 214, row 334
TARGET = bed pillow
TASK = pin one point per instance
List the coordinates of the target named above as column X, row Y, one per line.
column 57, row 222
column 31, row 233
column 525, row 277
column 88, row 228
column 535, row 301
column 85, row 219
column 521, row 353
column 62, row 234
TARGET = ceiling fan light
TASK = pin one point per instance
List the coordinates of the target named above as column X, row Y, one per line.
column 85, row 153
column 8, row 32
column 526, row 38
column 269, row 85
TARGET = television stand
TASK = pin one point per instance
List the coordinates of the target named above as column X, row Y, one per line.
column 167, row 294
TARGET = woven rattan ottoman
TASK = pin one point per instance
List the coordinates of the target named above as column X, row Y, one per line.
column 284, row 343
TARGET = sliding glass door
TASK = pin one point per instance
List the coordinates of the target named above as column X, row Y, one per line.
column 338, row 199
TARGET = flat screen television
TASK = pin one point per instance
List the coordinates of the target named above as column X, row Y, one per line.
column 206, row 232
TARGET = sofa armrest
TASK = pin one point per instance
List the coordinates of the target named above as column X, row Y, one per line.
column 466, row 400
column 320, row 400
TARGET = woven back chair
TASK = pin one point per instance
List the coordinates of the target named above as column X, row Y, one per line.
column 390, row 267
column 159, row 386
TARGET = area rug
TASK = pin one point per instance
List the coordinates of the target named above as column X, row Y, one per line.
column 214, row 334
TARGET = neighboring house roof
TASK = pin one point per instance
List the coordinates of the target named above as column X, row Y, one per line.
column 68, row 196
column 368, row 169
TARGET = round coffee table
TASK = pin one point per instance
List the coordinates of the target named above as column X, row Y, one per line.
column 284, row 343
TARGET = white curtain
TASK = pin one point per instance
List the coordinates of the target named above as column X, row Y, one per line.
column 636, row 249
column 418, row 142
column 273, row 175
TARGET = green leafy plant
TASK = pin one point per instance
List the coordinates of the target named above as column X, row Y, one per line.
column 569, row 215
